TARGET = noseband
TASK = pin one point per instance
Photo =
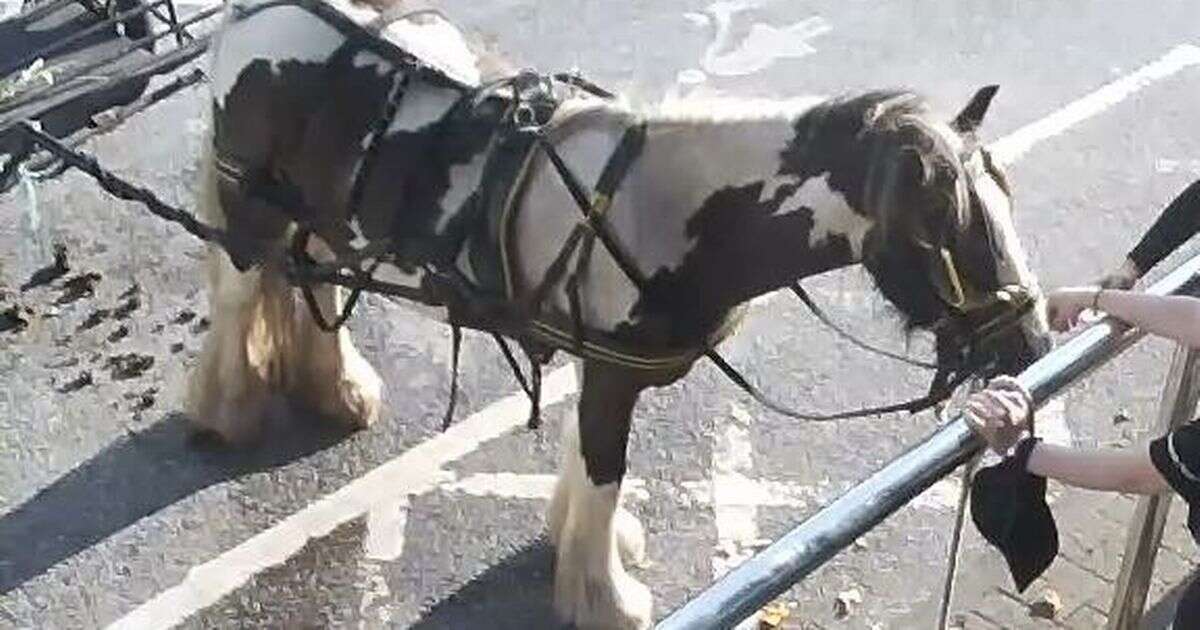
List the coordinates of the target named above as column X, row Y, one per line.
column 976, row 318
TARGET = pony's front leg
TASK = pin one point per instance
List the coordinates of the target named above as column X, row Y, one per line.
column 591, row 533
column 240, row 367
column 238, row 370
column 330, row 373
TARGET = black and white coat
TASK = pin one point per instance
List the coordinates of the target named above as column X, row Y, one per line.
column 728, row 200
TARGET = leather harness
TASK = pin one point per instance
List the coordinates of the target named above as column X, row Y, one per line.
column 522, row 133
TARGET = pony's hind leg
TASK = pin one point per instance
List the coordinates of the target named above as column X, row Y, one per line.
column 591, row 533
column 330, row 374
column 239, row 367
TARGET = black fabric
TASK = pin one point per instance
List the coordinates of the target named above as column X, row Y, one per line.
column 1179, row 222
column 1187, row 613
column 1181, row 474
column 1008, row 505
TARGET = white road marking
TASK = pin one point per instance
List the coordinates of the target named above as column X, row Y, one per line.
column 9, row 8
column 736, row 518
column 762, row 46
column 1016, row 144
column 416, row 471
column 527, row 486
column 376, row 596
column 1167, row 166
column 386, row 522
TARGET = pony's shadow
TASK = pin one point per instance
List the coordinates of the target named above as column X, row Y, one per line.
column 134, row 477
column 516, row 593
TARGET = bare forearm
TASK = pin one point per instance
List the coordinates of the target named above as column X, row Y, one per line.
column 1174, row 317
column 1128, row 470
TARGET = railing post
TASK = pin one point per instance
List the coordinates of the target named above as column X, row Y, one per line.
column 1176, row 407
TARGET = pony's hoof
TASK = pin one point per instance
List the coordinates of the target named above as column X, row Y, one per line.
column 631, row 538
column 356, row 396
column 216, row 419
column 613, row 602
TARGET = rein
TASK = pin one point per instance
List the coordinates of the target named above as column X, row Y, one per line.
column 819, row 313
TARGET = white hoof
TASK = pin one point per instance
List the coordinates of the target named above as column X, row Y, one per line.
column 225, row 398
column 614, row 601
column 237, row 421
column 631, row 538
column 353, row 396
column 362, row 391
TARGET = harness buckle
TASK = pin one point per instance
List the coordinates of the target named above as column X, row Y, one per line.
column 600, row 204
column 535, row 102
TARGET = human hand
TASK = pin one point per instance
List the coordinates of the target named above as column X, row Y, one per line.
column 1000, row 413
column 1063, row 306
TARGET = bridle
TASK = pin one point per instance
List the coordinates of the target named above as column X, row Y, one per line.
column 989, row 312
column 975, row 323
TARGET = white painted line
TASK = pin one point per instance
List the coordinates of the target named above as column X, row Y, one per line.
column 741, row 490
column 1010, row 148
column 735, row 516
column 416, row 471
column 386, row 522
column 528, row 486
column 375, row 606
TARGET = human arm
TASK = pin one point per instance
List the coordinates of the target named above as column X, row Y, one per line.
column 1114, row 470
column 1177, row 223
column 999, row 414
column 1172, row 316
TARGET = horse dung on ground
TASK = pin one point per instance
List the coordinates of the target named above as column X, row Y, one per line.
column 544, row 209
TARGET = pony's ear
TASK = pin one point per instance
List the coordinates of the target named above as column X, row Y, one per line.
column 971, row 116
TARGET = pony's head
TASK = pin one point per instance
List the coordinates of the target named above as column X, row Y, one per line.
column 946, row 252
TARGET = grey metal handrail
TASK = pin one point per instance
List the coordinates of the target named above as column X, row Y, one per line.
column 754, row 583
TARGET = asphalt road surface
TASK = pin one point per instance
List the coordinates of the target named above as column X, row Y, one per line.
column 108, row 514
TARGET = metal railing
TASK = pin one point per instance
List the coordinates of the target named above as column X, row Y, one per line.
column 762, row 578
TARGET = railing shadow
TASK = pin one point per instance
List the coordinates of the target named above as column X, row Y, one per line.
column 134, row 478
